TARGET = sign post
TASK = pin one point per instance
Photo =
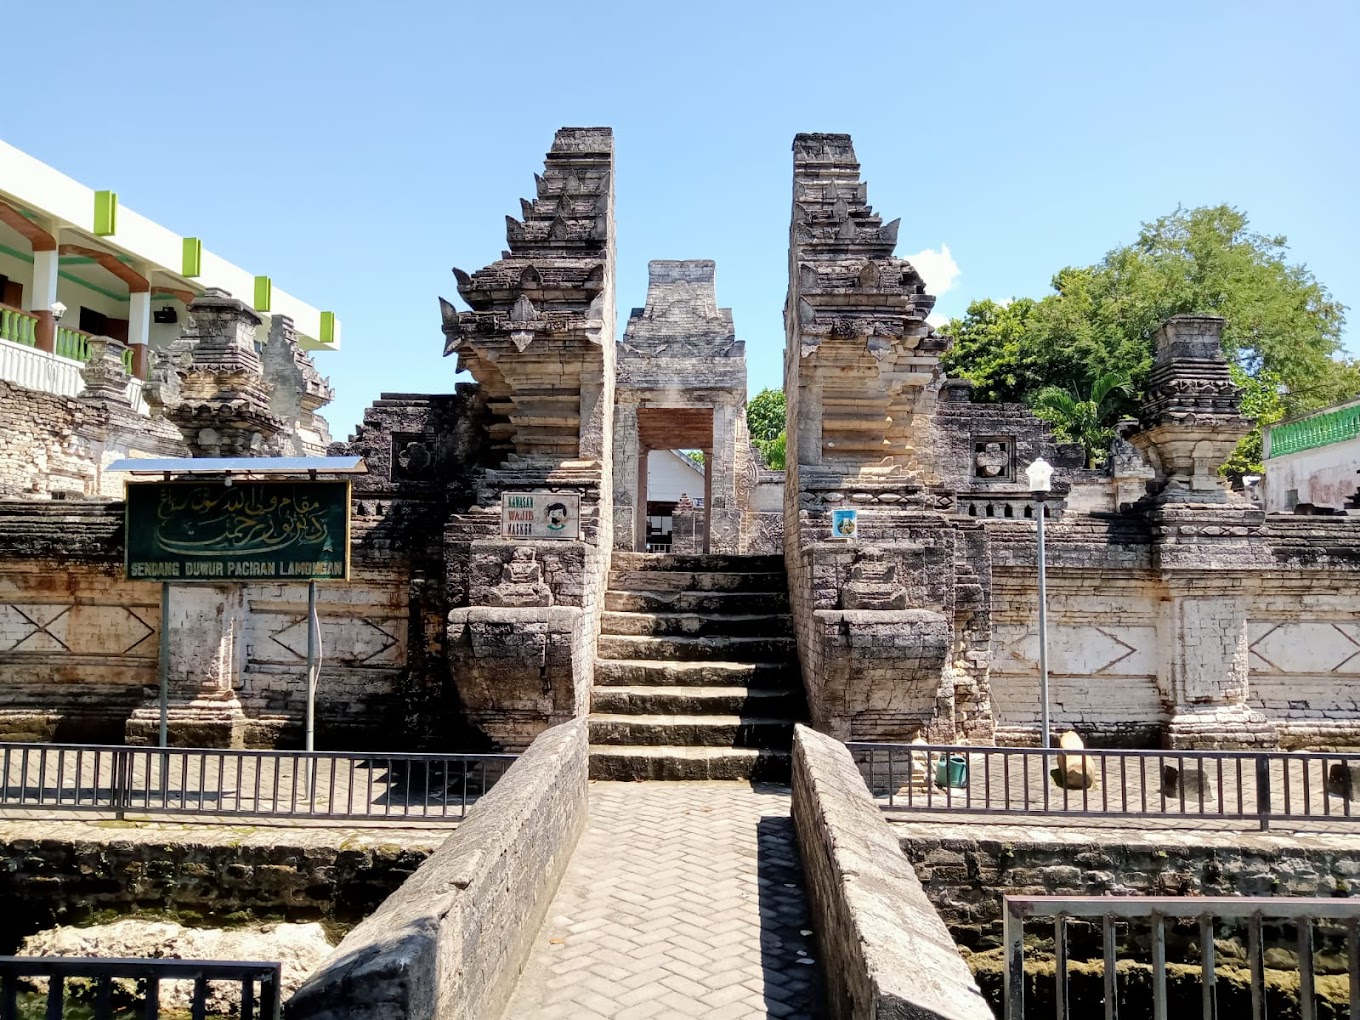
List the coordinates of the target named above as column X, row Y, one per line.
column 221, row 528
column 165, row 663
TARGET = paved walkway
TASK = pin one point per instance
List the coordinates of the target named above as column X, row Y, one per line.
column 682, row 900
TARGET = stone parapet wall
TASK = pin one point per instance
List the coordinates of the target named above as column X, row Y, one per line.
column 78, row 871
column 51, row 444
column 967, row 869
column 451, row 941
column 884, row 950
column 79, row 644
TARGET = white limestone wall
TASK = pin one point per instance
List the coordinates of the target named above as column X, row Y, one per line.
column 1325, row 477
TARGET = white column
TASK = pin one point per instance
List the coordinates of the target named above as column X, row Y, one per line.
column 43, row 294
column 139, row 317
column 139, row 330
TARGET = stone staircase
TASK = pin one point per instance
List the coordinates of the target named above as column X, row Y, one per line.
column 696, row 675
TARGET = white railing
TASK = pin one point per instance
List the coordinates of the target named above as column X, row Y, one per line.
column 51, row 373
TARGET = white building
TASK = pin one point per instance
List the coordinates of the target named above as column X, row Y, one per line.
column 670, row 474
column 74, row 263
column 1313, row 459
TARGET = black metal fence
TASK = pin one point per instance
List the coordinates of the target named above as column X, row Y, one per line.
column 1261, row 786
column 259, row 984
column 231, row 783
column 1335, row 922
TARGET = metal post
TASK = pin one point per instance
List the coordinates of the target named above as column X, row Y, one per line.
column 311, row 664
column 313, row 639
column 165, row 663
column 1043, row 627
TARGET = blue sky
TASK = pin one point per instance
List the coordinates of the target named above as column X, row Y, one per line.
column 355, row 152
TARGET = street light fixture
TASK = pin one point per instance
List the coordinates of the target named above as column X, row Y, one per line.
column 1040, row 475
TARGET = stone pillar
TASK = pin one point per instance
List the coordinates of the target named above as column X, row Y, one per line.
column 1205, row 673
column 206, row 626
column 724, row 512
column 708, row 500
column 104, row 376
column 139, row 330
column 628, row 464
column 640, row 520
column 686, row 527
column 42, row 296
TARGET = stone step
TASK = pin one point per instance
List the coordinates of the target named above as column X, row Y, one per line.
column 701, row 562
column 650, row 672
column 645, row 700
column 693, row 649
column 697, row 580
column 688, row 763
column 696, row 601
column 691, row 730
column 697, row 624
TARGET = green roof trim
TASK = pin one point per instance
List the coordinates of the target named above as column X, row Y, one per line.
column 327, row 328
column 191, row 260
column 1317, row 430
column 264, row 291
column 105, row 213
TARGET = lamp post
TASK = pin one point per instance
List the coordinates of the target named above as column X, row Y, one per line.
column 1040, row 475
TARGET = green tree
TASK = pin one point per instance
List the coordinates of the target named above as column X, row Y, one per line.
column 1283, row 330
column 765, row 420
column 1088, row 421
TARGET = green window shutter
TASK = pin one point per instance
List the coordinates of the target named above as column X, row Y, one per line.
column 327, row 328
column 264, row 289
column 191, row 262
column 105, row 213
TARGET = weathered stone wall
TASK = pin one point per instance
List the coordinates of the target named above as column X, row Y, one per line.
column 966, row 872
column 451, row 942
column 884, row 950
column 79, row 644
column 77, row 872
column 1278, row 642
column 63, row 444
column 539, row 340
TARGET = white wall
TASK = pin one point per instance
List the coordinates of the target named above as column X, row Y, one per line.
column 1325, row 476
column 669, row 475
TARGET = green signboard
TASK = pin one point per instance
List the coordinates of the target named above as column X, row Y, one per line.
column 246, row 531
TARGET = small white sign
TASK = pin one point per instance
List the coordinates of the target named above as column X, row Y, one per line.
column 543, row 515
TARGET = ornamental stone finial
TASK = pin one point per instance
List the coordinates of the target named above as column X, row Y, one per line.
column 1192, row 413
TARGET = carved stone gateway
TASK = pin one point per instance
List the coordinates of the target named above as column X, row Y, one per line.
column 539, row 340
column 1178, row 612
column 682, row 385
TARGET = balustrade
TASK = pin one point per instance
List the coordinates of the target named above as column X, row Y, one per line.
column 18, row 327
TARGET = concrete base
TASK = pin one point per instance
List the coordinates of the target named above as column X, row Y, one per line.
column 199, row 723
column 1220, row 728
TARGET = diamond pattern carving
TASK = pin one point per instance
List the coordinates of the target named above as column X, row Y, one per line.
column 1314, row 648
column 350, row 641
column 79, row 629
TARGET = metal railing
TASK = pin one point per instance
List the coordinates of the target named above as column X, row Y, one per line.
column 259, row 983
column 1146, row 936
column 368, row 785
column 1262, row 786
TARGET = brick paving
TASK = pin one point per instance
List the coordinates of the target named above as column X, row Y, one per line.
column 681, row 900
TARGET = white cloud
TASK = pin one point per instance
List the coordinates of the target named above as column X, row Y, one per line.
column 937, row 320
column 937, row 268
